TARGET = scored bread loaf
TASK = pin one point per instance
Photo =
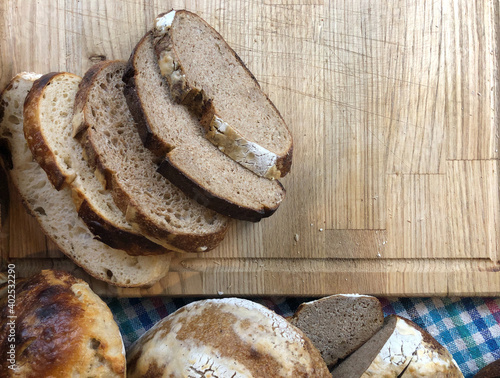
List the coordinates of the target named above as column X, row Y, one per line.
column 191, row 162
column 62, row 329
column 48, row 114
column 55, row 210
column 339, row 324
column 400, row 349
column 151, row 204
column 205, row 73
column 228, row 337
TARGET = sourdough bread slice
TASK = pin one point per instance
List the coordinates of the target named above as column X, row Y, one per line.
column 106, row 129
column 400, row 349
column 191, row 162
column 339, row 324
column 48, row 114
column 206, row 74
column 55, row 210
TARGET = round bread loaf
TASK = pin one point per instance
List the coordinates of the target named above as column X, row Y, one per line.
column 224, row 338
column 58, row 327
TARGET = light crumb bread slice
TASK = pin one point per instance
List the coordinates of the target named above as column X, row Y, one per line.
column 191, row 162
column 339, row 324
column 63, row 329
column 205, row 74
column 48, row 113
column 400, row 349
column 229, row 337
column 151, row 204
column 55, row 210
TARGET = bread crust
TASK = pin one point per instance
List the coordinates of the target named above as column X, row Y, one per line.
column 197, row 101
column 208, row 199
column 58, row 324
column 135, row 215
column 116, row 237
column 169, row 169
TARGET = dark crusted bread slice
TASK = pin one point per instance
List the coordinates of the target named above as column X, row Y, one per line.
column 191, row 162
column 48, row 114
column 400, row 349
column 151, row 204
column 339, row 324
column 206, row 74
column 55, row 210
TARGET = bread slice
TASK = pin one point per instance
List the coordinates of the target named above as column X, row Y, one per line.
column 191, row 162
column 104, row 126
column 400, row 349
column 229, row 337
column 55, row 210
column 206, row 74
column 339, row 324
column 48, row 129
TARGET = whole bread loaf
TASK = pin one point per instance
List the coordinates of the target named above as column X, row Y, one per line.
column 224, row 338
column 62, row 329
column 339, row 324
column 190, row 161
column 400, row 349
column 205, row 74
column 48, row 113
column 151, row 204
column 55, row 210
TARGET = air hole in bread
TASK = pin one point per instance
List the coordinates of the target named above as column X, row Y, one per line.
column 109, row 273
column 13, row 119
column 94, row 343
column 40, row 210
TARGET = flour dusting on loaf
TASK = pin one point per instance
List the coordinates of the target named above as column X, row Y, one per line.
column 225, row 338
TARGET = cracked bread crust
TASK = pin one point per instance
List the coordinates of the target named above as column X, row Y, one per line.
column 135, row 212
column 184, row 90
column 64, row 170
column 228, row 337
column 175, row 166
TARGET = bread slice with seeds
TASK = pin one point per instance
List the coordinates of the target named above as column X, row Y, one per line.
column 48, row 114
column 191, row 162
column 205, row 74
column 55, row 210
column 151, row 204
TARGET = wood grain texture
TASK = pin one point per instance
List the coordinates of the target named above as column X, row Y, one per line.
column 394, row 188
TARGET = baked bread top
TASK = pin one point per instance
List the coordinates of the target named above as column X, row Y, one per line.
column 151, row 204
column 48, row 113
column 62, row 329
column 191, row 162
column 205, row 74
column 229, row 337
column 55, row 210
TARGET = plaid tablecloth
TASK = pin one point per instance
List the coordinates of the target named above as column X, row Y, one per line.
column 468, row 327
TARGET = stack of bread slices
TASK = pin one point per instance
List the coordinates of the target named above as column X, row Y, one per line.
column 141, row 158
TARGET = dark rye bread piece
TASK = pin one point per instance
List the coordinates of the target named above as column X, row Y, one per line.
column 55, row 210
column 339, row 324
column 190, row 161
column 205, row 74
column 48, row 113
column 151, row 204
column 400, row 349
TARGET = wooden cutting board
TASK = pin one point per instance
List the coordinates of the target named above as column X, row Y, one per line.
column 394, row 111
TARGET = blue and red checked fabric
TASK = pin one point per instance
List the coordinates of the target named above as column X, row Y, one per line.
column 468, row 327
